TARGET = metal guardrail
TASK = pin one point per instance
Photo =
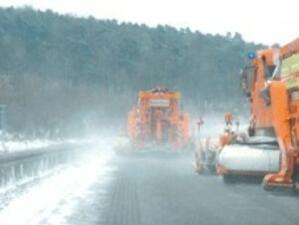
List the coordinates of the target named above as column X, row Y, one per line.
column 19, row 165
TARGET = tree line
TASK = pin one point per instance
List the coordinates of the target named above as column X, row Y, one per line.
column 64, row 74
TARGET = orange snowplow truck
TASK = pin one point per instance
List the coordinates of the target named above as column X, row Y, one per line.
column 157, row 119
column 270, row 147
column 273, row 88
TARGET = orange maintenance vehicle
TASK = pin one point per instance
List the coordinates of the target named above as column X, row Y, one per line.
column 157, row 121
column 270, row 147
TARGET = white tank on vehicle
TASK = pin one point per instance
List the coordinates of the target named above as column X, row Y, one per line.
column 244, row 158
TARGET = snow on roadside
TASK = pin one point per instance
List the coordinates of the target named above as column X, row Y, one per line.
column 13, row 146
column 58, row 197
column 23, row 145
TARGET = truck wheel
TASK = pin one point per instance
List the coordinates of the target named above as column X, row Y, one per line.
column 228, row 179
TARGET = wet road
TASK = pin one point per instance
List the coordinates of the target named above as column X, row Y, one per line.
column 163, row 189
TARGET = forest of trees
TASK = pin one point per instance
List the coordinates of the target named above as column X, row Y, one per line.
column 65, row 73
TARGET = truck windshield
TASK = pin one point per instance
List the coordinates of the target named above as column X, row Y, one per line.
column 268, row 71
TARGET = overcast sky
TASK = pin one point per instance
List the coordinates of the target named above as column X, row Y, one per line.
column 262, row 21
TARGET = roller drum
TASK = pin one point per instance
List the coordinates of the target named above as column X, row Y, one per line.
column 241, row 158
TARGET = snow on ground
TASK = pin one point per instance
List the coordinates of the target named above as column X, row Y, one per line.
column 12, row 146
column 23, row 145
column 53, row 200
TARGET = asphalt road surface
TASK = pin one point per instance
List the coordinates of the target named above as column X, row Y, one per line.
column 163, row 189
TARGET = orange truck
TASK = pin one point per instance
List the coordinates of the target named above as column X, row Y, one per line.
column 157, row 120
column 270, row 147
